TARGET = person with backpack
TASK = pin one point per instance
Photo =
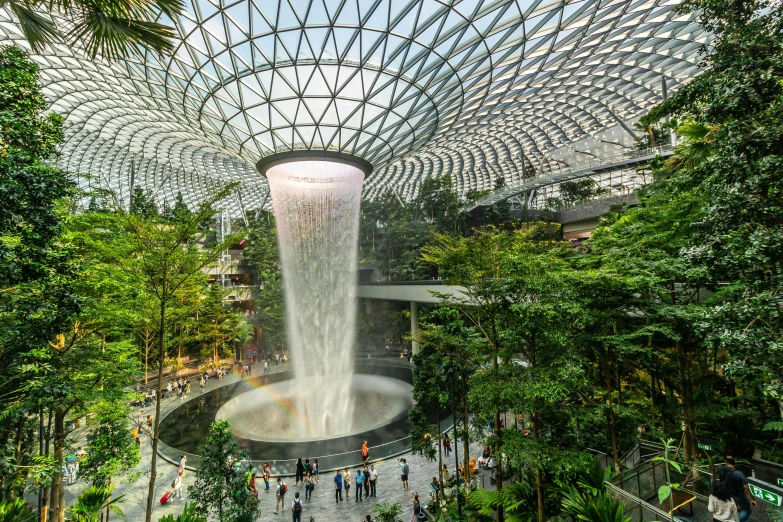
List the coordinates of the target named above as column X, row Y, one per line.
column 403, row 473
column 721, row 505
column 267, row 471
column 300, row 471
column 282, row 489
column 338, row 487
column 296, row 508
column 738, row 488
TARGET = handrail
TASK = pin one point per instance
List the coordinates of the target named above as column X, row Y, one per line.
column 581, row 169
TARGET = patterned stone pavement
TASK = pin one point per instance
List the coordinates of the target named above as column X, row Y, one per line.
column 322, row 507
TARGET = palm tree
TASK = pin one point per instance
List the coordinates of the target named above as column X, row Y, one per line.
column 113, row 29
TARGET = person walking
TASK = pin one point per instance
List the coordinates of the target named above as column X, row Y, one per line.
column 416, row 506
column 365, row 453
column 296, row 508
column 738, row 488
column 403, row 473
column 338, row 487
column 280, row 495
column 300, row 471
column 347, row 484
column 366, row 482
column 177, row 485
column 435, row 489
column 359, row 486
column 267, row 473
column 201, row 384
column 308, row 482
column 373, row 480
column 721, row 505
column 316, row 471
column 182, row 461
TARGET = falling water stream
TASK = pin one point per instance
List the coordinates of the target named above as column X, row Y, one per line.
column 316, row 206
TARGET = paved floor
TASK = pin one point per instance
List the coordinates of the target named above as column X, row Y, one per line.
column 322, row 507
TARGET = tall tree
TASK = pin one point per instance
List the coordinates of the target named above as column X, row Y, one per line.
column 163, row 257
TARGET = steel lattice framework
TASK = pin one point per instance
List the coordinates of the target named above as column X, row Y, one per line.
column 420, row 88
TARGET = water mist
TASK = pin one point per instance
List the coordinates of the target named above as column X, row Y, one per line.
column 316, row 206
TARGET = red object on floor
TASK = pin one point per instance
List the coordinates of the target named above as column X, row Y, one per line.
column 165, row 498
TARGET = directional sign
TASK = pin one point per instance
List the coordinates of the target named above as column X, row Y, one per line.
column 705, row 447
column 766, row 496
column 780, row 482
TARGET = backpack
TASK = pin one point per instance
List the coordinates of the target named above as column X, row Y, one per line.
column 297, row 506
column 285, row 488
column 405, row 469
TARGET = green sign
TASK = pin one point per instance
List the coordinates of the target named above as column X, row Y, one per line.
column 705, row 447
column 780, row 482
column 766, row 496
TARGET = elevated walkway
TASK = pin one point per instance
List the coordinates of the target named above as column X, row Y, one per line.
column 576, row 171
column 409, row 291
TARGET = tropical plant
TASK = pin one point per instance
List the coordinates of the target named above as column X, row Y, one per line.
column 188, row 515
column 112, row 29
column 15, row 510
column 388, row 512
column 666, row 490
column 91, row 503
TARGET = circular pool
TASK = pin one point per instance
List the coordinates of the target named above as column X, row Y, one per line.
column 263, row 415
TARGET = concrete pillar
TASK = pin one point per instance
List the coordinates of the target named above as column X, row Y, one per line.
column 414, row 326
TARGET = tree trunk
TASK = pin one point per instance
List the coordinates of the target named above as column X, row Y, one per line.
column 466, row 444
column 47, row 490
column 686, row 393
column 156, row 429
column 18, row 453
column 58, row 493
column 146, row 360
column 440, row 453
column 539, row 476
column 610, row 419
column 498, row 459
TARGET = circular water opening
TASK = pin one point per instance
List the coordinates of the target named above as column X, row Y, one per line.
column 283, row 412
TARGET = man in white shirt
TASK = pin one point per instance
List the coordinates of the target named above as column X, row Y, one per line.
column 296, row 508
column 373, row 477
column 279, row 495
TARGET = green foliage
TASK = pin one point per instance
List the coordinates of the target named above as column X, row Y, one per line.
column 108, row 28
column 15, row 510
column 30, row 186
column 579, row 190
column 388, row 511
column 92, row 502
column 143, row 205
column 593, row 508
column 222, row 481
column 188, row 515
column 112, row 450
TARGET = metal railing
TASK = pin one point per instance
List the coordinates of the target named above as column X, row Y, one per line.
column 577, row 170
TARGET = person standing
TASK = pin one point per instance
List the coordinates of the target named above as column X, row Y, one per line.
column 177, row 485
column 435, row 489
column 359, row 486
column 403, row 473
column 737, row 485
column 347, row 484
column 316, row 471
column 416, row 506
column 267, row 471
column 280, row 495
column 721, row 505
column 201, row 384
column 446, row 444
column 366, row 482
column 338, row 487
column 300, row 471
column 296, row 508
column 308, row 482
column 182, row 461
column 373, row 479
column 365, row 453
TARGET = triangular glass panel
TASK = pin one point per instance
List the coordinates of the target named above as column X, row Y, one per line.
column 317, row 86
column 330, row 116
column 291, row 41
column 287, row 18
column 280, row 89
column 379, row 19
column 330, row 75
column 316, row 106
column 259, row 24
column 349, row 14
column 278, row 118
column 306, row 134
column 405, row 25
column 317, row 14
column 303, row 117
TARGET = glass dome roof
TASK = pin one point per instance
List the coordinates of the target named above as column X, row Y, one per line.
column 419, row 88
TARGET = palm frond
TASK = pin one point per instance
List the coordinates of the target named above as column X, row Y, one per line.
column 116, row 37
column 37, row 27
